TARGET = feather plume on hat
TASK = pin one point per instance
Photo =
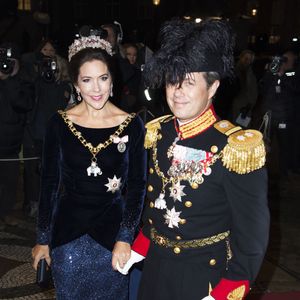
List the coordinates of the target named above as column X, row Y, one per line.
column 187, row 47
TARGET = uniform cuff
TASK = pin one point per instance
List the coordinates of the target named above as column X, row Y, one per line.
column 229, row 289
column 141, row 244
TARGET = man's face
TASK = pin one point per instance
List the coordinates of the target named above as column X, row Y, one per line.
column 192, row 98
column 247, row 59
column 289, row 64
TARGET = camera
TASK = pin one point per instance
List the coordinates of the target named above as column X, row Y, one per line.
column 6, row 62
column 87, row 30
column 47, row 68
column 276, row 62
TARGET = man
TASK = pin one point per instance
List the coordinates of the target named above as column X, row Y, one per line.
column 206, row 221
column 280, row 89
column 246, row 97
column 16, row 98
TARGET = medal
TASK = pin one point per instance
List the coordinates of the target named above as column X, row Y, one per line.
column 121, row 142
column 121, row 147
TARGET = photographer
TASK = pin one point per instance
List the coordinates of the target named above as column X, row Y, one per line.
column 15, row 100
column 279, row 90
column 48, row 72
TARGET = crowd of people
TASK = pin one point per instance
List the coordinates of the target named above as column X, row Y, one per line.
column 202, row 188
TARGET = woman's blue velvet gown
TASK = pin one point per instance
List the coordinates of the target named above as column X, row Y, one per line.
column 80, row 216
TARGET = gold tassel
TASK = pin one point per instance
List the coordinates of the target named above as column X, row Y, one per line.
column 245, row 151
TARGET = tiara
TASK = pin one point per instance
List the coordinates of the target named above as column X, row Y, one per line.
column 91, row 41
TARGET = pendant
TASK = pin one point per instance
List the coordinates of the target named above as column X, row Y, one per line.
column 160, row 202
column 93, row 169
column 121, row 147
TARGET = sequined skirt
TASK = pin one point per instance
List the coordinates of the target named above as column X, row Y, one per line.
column 82, row 269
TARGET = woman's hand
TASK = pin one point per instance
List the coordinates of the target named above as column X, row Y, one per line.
column 39, row 252
column 120, row 254
column 134, row 258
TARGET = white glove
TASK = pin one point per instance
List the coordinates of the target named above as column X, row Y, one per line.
column 134, row 258
column 208, row 298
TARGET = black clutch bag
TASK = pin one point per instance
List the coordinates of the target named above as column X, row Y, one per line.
column 43, row 274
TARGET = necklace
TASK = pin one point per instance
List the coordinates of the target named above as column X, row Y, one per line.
column 94, row 169
column 191, row 171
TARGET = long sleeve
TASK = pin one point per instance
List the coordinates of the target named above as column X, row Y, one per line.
column 135, row 184
column 49, row 181
column 247, row 196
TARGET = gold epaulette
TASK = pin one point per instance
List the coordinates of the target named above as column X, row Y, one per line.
column 245, row 151
column 152, row 130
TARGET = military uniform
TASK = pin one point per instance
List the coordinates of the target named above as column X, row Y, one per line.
column 206, row 221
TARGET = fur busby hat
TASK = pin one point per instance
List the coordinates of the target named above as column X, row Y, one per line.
column 187, row 47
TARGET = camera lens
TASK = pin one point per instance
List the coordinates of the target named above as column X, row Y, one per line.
column 48, row 76
column 7, row 66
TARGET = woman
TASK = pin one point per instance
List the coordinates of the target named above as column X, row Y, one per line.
column 131, row 75
column 131, row 51
column 93, row 183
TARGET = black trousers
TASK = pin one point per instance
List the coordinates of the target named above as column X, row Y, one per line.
column 9, row 175
column 285, row 145
column 188, row 275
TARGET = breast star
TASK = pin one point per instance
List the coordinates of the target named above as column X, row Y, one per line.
column 113, row 184
column 176, row 191
column 172, row 217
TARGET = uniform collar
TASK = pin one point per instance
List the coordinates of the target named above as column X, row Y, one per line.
column 197, row 125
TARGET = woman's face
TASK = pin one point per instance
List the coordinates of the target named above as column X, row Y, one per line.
column 48, row 50
column 131, row 54
column 94, row 83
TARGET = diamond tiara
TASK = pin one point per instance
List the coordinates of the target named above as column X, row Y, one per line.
column 91, row 41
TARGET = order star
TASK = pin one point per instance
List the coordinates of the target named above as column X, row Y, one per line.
column 176, row 191
column 172, row 217
column 113, row 184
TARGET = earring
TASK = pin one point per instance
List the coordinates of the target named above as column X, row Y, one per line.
column 111, row 91
column 78, row 96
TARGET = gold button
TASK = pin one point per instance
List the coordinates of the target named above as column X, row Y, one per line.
column 150, row 188
column 151, row 204
column 214, row 149
column 212, row 262
column 151, row 171
column 188, row 203
column 176, row 250
column 150, row 221
column 159, row 136
column 194, row 185
column 178, row 237
column 182, row 221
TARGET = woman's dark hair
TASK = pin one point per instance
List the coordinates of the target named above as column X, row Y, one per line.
column 87, row 55
column 42, row 44
column 132, row 45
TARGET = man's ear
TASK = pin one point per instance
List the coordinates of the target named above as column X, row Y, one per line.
column 213, row 88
